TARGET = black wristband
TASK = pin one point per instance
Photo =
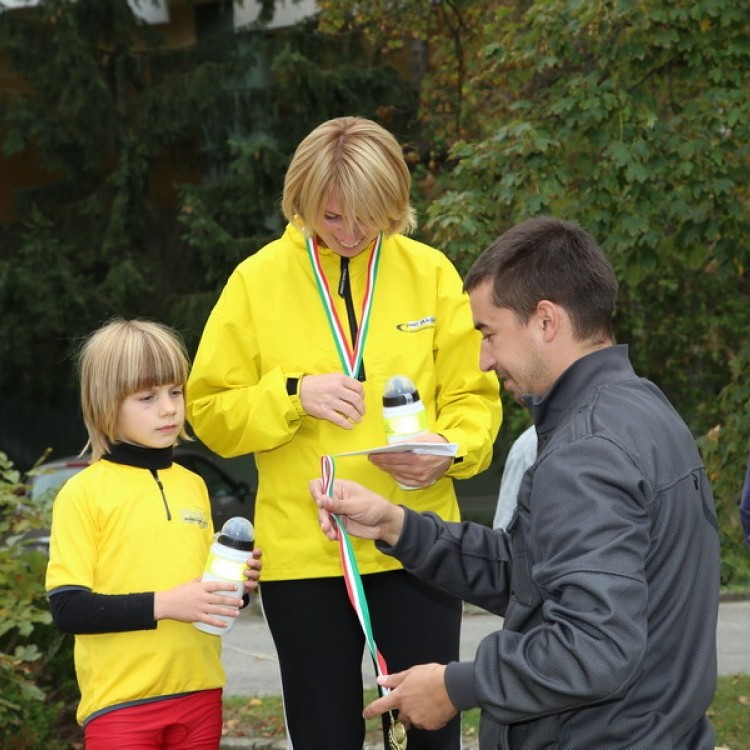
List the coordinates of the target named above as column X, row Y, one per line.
column 291, row 386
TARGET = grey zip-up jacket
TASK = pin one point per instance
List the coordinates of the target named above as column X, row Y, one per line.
column 608, row 577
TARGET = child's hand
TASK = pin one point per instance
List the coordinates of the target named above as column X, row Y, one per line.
column 197, row 601
column 252, row 571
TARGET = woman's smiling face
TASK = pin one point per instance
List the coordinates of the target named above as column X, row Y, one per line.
column 334, row 234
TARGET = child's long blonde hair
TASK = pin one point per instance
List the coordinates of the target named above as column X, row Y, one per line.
column 120, row 358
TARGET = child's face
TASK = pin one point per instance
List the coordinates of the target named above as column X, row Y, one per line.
column 152, row 418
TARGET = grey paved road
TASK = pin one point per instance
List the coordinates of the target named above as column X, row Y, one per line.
column 250, row 662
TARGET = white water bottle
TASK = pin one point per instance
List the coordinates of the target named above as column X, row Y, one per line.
column 403, row 413
column 227, row 560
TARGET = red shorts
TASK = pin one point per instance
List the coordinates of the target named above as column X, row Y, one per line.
column 187, row 722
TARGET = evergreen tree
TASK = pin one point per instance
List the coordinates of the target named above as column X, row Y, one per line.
column 102, row 104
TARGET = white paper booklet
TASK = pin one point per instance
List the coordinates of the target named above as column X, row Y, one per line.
column 430, row 449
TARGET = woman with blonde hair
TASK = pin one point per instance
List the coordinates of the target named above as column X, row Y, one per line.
column 292, row 365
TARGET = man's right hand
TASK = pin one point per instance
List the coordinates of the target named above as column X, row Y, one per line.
column 364, row 513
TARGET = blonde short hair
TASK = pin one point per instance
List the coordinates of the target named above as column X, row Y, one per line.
column 119, row 359
column 362, row 164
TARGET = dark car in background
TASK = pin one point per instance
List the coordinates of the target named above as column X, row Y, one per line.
column 228, row 496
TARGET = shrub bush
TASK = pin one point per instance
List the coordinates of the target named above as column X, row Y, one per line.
column 37, row 685
column 725, row 452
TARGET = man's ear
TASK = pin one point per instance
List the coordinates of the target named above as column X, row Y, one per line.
column 549, row 319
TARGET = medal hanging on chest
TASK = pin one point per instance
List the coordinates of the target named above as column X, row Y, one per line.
column 350, row 355
column 356, row 593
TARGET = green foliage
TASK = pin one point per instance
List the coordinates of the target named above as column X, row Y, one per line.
column 729, row 713
column 102, row 106
column 725, row 450
column 35, row 660
column 632, row 119
column 228, row 218
column 436, row 45
column 97, row 107
column 301, row 82
column 39, row 299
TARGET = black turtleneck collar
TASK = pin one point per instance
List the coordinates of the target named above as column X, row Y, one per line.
column 140, row 456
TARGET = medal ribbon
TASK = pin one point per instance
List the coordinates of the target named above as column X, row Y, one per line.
column 352, row 577
column 351, row 359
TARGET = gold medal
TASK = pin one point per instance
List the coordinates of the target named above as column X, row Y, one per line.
column 396, row 735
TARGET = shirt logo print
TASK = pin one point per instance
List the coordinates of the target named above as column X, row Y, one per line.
column 417, row 325
column 194, row 516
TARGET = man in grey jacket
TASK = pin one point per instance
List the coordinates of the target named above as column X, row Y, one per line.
column 608, row 573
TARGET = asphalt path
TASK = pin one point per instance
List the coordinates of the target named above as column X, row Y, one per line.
column 249, row 656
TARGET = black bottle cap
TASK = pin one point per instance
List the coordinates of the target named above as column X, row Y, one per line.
column 230, row 541
column 401, row 399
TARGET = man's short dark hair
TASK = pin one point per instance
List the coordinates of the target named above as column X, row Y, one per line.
column 547, row 258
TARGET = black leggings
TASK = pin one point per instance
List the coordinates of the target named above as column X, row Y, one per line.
column 320, row 643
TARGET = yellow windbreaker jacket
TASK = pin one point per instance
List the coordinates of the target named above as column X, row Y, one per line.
column 269, row 325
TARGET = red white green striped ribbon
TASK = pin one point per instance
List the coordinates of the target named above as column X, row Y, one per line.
column 352, row 577
column 351, row 359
